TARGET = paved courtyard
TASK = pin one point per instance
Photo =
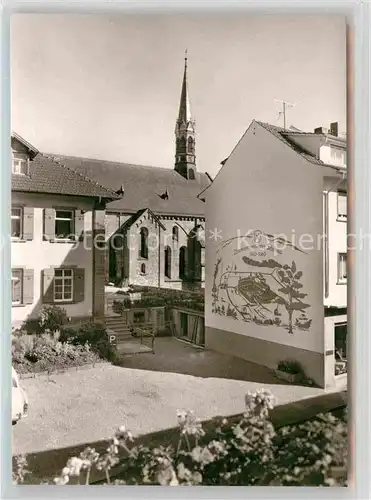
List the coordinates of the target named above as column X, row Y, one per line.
column 87, row 405
column 172, row 355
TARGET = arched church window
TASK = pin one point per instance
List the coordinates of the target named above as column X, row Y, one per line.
column 143, row 246
column 168, row 262
column 190, row 144
column 143, row 269
column 182, row 262
column 175, row 233
column 191, row 174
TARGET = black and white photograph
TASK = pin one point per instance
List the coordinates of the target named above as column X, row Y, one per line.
column 179, row 249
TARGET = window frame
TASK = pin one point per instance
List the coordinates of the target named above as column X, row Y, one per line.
column 336, row 154
column 20, row 218
column 167, row 263
column 341, row 280
column 175, row 234
column 143, row 243
column 63, row 278
column 341, row 217
column 20, row 161
column 182, row 262
column 20, row 279
column 72, row 220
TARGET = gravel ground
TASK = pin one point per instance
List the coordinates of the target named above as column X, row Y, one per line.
column 85, row 406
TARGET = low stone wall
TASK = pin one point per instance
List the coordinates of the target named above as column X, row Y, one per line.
column 63, row 370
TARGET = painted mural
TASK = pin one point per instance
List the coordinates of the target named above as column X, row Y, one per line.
column 257, row 280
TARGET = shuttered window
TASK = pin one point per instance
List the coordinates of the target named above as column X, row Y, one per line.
column 63, row 224
column 17, row 277
column 22, row 219
column 22, row 286
column 63, row 285
column 342, row 206
column 17, row 216
column 342, row 268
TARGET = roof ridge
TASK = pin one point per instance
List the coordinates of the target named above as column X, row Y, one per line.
column 107, row 161
column 91, row 181
column 310, row 157
column 113, row 162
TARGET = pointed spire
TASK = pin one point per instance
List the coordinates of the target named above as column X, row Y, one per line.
column 184, row 107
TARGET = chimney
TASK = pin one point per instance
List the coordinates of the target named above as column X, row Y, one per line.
column 320, row 130
column 334, row 129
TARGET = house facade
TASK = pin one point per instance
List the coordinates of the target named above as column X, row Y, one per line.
column 276, row 251
column 57, row 237
column 155, row 231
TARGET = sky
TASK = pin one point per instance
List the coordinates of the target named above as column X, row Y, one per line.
column 108, row 86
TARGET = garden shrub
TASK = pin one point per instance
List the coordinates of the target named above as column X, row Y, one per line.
column 243, row 452
column 39, row 353
column 51, row 319
column 154, row 297
column 92, row 332
column 292, row 367
column 33, row 326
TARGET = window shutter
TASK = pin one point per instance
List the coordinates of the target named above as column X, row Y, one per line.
column 79, row 284
column 79, row 224
column 48, row 286
column 28, row 286
column 17, row 286
column 28, row 223
column 49, row 224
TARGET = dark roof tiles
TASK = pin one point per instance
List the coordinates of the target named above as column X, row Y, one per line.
column 46, row 175
column 143, row 186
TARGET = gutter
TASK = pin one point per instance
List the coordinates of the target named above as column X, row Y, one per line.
column 325, row 229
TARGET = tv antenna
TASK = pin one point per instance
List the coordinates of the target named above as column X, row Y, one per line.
column 285, row 106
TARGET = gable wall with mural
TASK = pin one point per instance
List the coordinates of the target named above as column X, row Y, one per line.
column 264, row 279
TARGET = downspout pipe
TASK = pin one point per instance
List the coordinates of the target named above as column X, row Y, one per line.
column 327, row 243
column 93, row 254
column 159, row 257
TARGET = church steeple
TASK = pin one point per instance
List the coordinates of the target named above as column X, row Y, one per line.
column 185, row 158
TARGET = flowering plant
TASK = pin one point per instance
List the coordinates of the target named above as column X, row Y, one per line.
column 244, row 451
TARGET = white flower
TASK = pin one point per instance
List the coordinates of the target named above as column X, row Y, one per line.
column 196, row 454
column 61, row 481
column 74, row 465
column 197, row 478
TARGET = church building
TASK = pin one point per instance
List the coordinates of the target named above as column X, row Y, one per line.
column 155, row 231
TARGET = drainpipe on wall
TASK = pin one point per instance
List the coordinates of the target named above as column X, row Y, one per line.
column 93, row 261
column 327, row 243
column 159, row 257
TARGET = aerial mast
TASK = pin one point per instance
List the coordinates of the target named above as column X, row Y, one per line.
column 285, row 106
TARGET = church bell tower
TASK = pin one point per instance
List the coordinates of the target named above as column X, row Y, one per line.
column 185, row 157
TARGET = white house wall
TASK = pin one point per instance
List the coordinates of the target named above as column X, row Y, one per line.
column 266, row 186
column 310, row 143
column 38, row 254
column 337, row 243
